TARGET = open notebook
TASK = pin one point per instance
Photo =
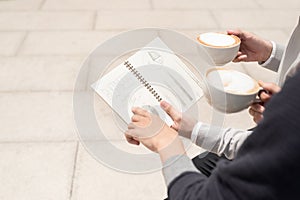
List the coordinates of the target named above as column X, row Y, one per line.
column 152, row 74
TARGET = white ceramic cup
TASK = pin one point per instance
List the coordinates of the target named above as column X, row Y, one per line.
column 222, row 48
column 229, row 90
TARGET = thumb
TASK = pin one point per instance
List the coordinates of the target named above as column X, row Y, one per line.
column 271, row 87
column 171, row 111
column 236, row 32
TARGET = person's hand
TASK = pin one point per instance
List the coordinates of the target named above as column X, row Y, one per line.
column 149, row 130
column 252, row 48
column 256, row 110
column 182, row 123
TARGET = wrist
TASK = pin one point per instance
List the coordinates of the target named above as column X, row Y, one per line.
column 271, row 56
column 166, row 136
column 267, row 52
column 174, row 148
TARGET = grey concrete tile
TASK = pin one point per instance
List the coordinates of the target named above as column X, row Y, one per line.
column 38, row 73
column 77, row 43
column 276, row 35
column 103, row 123
column 28, row 20
column 10, row 42
column 203, row 4
column 162, row 19
column 112, row 126
column 256, row 19
column 34, row 171
column 193, row 34
column 287, row 4
column 93, row 180
column 37, row 116
column 20, row 5
column 49, row 116
column 96, row 5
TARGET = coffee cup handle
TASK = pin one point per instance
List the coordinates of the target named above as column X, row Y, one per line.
column 259, row 101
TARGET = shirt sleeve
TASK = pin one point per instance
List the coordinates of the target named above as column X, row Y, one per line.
column 219, row 140
column 274, row 60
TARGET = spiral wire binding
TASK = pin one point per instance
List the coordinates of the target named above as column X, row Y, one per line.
column 146, row 84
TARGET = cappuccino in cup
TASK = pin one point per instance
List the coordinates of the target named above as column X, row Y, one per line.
column 232, row 81
column 222, row 48
column 218, row 40
column 229, row 90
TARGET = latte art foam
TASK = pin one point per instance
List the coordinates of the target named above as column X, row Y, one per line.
column 217, row 39
column 232, row 81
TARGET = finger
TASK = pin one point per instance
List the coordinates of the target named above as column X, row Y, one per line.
column 135, row 132
column 131, row 140
column 257, row 108
column 171, row 111
column 264, row 96
column 272, row 87
column 131, row 126
column 140, row 111
column 257, row 118
column 251, row 112
column 240, row 58
column 237, row 55
column 136, row 118
column 236, row 32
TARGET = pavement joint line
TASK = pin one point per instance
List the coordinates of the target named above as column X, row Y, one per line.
column 74, row 171
column 258, row 4
column 18, row 50
column 38, row 142
column 95, row 18
column 42, row 4
column 215, row 19
column 151, row 5
column 57, row 141
column 38, row 91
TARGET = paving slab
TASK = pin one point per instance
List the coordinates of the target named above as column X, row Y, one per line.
column 164, row 19
column 287, row 4
column 96, row 5
column 58, row 43
column 203, row 4
column 34, row 171
column 49, row 73
column 257, row 19
column 10, row 42
column 6, row 5
column 39, row 116
column 93, row 180
column 29, row 20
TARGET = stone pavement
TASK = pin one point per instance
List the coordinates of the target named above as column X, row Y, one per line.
column 42, row 44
